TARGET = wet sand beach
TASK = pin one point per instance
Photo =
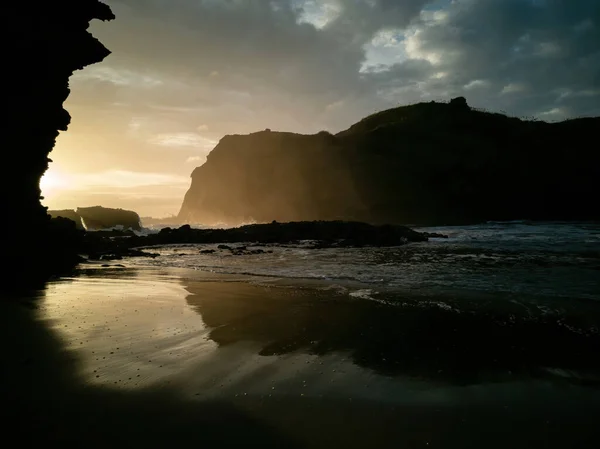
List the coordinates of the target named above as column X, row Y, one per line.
column 154, row 357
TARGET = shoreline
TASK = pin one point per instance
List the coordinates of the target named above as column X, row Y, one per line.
column 556, row 341
column 151, row 355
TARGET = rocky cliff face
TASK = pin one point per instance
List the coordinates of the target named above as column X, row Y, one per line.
column 429, row 163
column 272, row 176
column 44, row 42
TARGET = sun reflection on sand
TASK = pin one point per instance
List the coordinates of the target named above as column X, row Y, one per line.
column 127, row 331
column 169, row 352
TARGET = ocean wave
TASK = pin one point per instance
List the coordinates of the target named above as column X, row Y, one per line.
column 545, row 260
column 366, row 293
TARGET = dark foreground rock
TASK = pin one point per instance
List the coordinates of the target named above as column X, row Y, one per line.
column 44, row 42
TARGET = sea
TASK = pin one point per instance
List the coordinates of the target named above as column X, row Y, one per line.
column 538, row 262
column 491, row 302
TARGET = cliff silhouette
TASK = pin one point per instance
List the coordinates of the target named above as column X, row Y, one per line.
column 427, row 163
column 43, row 44
column 99, row 218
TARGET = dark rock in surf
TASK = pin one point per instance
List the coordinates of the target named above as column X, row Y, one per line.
column 329, row 233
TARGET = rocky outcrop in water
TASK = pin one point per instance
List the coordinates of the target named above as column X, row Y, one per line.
column 110, row 245
column 43, row 43
column 98, row 218
column 428, row 163
column 69, row 214
column 323, row 233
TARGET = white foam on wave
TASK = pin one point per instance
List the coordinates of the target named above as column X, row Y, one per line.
column 365, row 293
column 439, row 304
column 477, row 259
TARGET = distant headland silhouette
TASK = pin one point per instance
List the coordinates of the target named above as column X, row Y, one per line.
column 427, row 163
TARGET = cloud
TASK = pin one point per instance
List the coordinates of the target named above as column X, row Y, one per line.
column 508, row 47
column 554, row 114
column 285, row 61
column 513, row 88
column 118, row 77
column 126, row 179
column 476, row 84
column 253, row 58
column 184, row 139
column 319, row 13
column 112, row 179
column 386, row 48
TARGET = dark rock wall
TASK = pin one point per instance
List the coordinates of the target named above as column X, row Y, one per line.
column 429, row 163
column 43, row 43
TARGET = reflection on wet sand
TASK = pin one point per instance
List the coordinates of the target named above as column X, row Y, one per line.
column 48, row 397
column 471, row 343
column 153, row 358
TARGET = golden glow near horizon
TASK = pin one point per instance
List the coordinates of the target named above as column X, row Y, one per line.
column 114, row 188
column 51, row 183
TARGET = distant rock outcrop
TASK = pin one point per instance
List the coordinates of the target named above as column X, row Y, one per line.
column 104, row 218
column 98, row 218
column 43, row 43
column 428, row 163
column 69, row 214
column 324, row 234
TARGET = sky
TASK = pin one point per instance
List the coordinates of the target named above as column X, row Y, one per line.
column 184, row 73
